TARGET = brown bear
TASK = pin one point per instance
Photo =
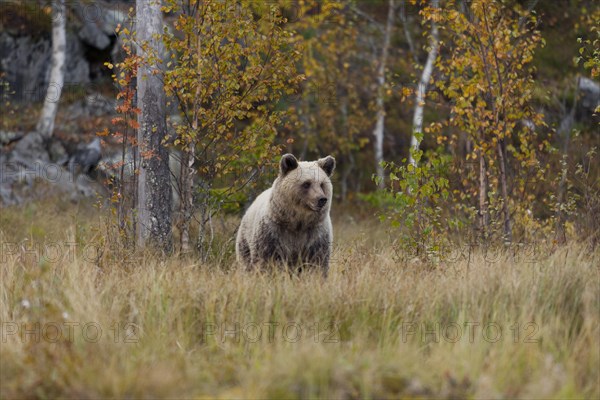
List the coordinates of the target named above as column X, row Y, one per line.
column 289, row 223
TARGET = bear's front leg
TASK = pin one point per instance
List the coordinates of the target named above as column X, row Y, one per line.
column 267, row 247
column 244, row 253
column 319, row 253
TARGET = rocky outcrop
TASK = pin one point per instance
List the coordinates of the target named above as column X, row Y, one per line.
column 30, row 164
column 25, row 53
column 7, row 137
column 589, row 101
column 26, row 65
column 93, row 36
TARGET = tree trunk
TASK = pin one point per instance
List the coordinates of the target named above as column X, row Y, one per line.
column 422, row 89
column 504, row 190
column 45, row 125
column 565, row 131
column 380, row 106
column 483, row 211
column 347, row 159
column 154, row 185
column 186, row 203
column 187, row 168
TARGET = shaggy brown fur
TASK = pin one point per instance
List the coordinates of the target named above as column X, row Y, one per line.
column 289, row 223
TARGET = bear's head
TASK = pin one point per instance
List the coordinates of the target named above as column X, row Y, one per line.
column 304, row 187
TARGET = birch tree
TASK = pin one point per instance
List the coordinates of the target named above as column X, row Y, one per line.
column 417, row 132
column 564, row 133
column 45, row 125
column 154, row 186
column 229, row 64
column 490, row 85
column 378, row 132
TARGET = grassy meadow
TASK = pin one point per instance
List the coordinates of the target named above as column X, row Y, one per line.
column 83, row 318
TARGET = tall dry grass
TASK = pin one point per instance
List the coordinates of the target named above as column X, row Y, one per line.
column 92, row 321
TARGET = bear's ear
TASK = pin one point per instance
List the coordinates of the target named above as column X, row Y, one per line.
column 328, row 164
column 288, row 163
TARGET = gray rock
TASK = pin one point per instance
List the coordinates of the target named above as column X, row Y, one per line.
column 30, row 149
column 21, row 167
column 9, row 137
column 29, row 163
column 26, row 64
column 590, row 95
column 92, row 20
column 113, row 18
column 93, row 105
column 57, row 152
column 101, row 17
column 100, row 105
column 87, row 158
column 93, row 36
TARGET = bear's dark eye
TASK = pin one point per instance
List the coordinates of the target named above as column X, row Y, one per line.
column 306, row 185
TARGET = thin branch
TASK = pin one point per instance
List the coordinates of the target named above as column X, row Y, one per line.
column 366, row 16
column 407, row 34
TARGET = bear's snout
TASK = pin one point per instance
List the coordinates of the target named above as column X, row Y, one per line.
column 322, row 201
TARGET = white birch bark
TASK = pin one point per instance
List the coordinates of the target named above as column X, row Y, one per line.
column 378, row 132
column 45, row 125
column 154, row 184
column 422, row 89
